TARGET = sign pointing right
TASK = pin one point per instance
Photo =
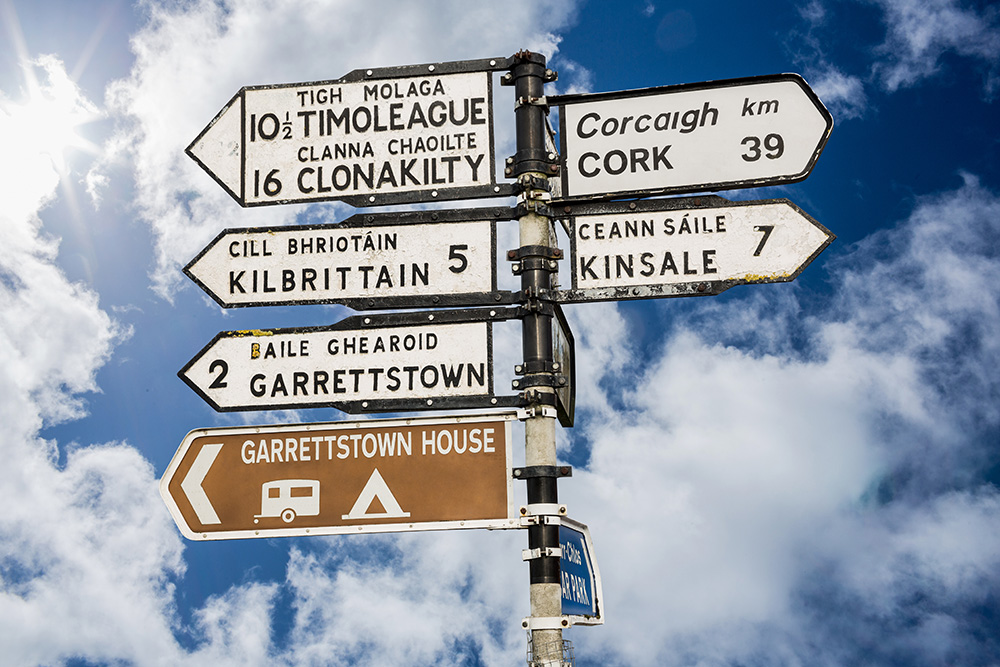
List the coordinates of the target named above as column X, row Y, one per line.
column 717, row 135
column 694, row 246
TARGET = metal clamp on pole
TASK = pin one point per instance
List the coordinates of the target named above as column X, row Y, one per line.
column 543, row 509
column 542, row 380
column 538, row 101
column 546, row 623
column 544, row 520
column 536, row 294
column 534, row 206
column 532, row 184
column 542, row 251
column 541, row 552
column 538, row 410
column 540, row 399
column 529, row 472
column 538, row 366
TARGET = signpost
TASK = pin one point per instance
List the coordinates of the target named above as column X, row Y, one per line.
column 424, row 133
column 717, row 135
column 393, row 260
column 373, row 137
column 582, row 595
column 687, row 247
column 346, row 477
column 372, row 363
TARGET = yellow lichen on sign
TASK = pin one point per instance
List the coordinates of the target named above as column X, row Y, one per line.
column 772, row 278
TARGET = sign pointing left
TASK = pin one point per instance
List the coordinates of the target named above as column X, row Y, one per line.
column 384, row 260
column 382, row 136
column 374, row 363
column 344, row 477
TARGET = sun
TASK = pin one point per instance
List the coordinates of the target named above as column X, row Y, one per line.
column 47, row 123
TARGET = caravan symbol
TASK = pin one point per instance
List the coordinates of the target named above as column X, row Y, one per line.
column 288, row 498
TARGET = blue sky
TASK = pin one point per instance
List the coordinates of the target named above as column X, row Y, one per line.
column 789, row 474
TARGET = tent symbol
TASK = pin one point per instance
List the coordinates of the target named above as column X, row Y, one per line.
column 376, row 488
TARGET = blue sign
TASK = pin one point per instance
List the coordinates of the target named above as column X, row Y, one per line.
column 580, row 580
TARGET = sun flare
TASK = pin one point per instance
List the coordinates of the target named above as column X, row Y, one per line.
column 48, row 122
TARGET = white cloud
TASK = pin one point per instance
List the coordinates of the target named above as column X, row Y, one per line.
column 920, row 32
column 813, row 11
column 843, row 94
column 749, row 486
column 191, row 59
column 85, row 548
column 422, row 599
column 235, row 628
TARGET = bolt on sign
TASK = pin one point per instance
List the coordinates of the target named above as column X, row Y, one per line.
column 716, row 135
column 372, row 137
column 686, row 246
column 346, row 477
column 370, row 363
column 389, row 260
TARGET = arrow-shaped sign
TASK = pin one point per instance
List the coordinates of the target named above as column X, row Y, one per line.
column 376, row 136
column 716, row 135
column 372, row 363
column 686, row 247
column 388, row 260
column 345, row 477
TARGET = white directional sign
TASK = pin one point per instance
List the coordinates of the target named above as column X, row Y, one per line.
column 346, row 477
column 687, row 247
column 390, row 260
column 717, row 135
column 373, row 137
column 372, row 363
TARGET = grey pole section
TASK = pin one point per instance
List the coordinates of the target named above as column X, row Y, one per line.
column 532, row 166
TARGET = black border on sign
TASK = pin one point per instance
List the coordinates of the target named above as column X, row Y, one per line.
column 211, row 124
column 661, row 291
column 384, row 321
column 492, row 189
column 374, row 220
column 566, row 396
column 563, row 100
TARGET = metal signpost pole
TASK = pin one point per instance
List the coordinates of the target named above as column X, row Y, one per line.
column 535, row 260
